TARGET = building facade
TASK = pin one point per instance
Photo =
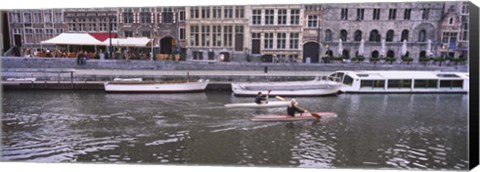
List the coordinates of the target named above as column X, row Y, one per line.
column 270, row 33
column 415, row 22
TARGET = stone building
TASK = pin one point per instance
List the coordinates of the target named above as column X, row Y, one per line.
column 312, row 31
column 454, row 30
column 216, row 33
column 415, row 22
column 276, row 32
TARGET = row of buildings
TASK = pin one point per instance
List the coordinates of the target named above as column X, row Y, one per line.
column 297, row 32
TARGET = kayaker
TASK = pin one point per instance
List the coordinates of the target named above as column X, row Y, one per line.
column 260, row 99
column 293, row 108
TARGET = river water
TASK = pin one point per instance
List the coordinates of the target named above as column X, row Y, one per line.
column 381, row 131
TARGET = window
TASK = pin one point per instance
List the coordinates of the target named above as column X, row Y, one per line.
column 372, row 83
column 404, row 35
column 194, row 13
column 376, row 14
column 58, row 31
column 328, row 35
column 227, row 36
column 357, row 35
column 28, row 31
column 239, row 11
column 445, row 37
column 451, row 84
column 81, row 27
column 205, row 41
column 128, row 16
column 37, row 17
column 103, row 27
column 217, row 12
column 425, row 13
column 181, row 15
column 281, row 40
column 343, row 35
column 394, row 83
column 374, row 36
column 205, row 12
column 422, row 36
column 406, row 14
column 27, row 17
column 92, row 27
column 294, row 39
column 268, row 40
column 146, row 34
column 269, row 17
column 39, row 31
column 15, row 17
column 360, row 13
column 72, row 27
column 465, row 8
column 128, row 34
column 182, row 33
column 425, row 83
column 392, row 14
column 217, row 36
column 294, row 16
column 312, row 21
column 145, row 16
column 194, row 35
column 167, row 15
column 282, row 17
column 344, row 14
column 58, row 17
column 227, row 12
column 390, row 35
column 257, row 17
column 48, row 16
column 450, row 21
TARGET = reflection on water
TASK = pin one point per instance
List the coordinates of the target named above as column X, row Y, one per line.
column 388, row 131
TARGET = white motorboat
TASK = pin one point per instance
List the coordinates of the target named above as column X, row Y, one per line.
column 154, row 86
column 292, row 88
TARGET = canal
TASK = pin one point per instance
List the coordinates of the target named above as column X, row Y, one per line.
column 386, row 131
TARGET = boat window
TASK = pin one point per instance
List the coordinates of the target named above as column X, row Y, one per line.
column 426, row 83
column 340, row 75
column 362, row 75
column 372, row 83
column 397, row 83
column 348, row 80
column 447, row 76
column 332, row 76
column 451, row 84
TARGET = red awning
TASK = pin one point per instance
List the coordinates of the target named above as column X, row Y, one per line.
column 102, row 36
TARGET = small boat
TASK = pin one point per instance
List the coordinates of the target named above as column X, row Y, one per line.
column 155, row 86
column 292, row 88
column 128, row 79
column 22, row 79
column 304, row 116
column 401, row 81
column 255, row 105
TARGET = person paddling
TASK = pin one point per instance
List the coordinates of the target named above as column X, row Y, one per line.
column 260, row 99
column 293, row 108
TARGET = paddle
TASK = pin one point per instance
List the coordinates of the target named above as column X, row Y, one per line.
column 266, row 101
column 316, row 115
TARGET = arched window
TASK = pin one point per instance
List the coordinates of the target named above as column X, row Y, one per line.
column 423, row 54
column 450, row 21
column 374, row 36
column 390, row 36
column 346, row 54
column 390, row 53
column 358, row 35
column 422, row 36
column 328, row 35
column 404, row 35
column 374, row 54
column 343, row 35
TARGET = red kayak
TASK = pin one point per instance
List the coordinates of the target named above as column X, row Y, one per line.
column 304, row 116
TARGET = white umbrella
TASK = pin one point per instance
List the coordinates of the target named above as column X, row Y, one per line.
column 382, row 51
column 340, row 47
column 361, row 49
column 429, row 48
column 404, row 47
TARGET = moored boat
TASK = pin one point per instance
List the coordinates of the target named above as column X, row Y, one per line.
column 292, row 88
column 304, row 116
column 402, row 81
column 154, row 86
column 255, row 105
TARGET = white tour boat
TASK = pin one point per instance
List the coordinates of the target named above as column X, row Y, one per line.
column 292, row 88
column 401, row 81
column 155, row 86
